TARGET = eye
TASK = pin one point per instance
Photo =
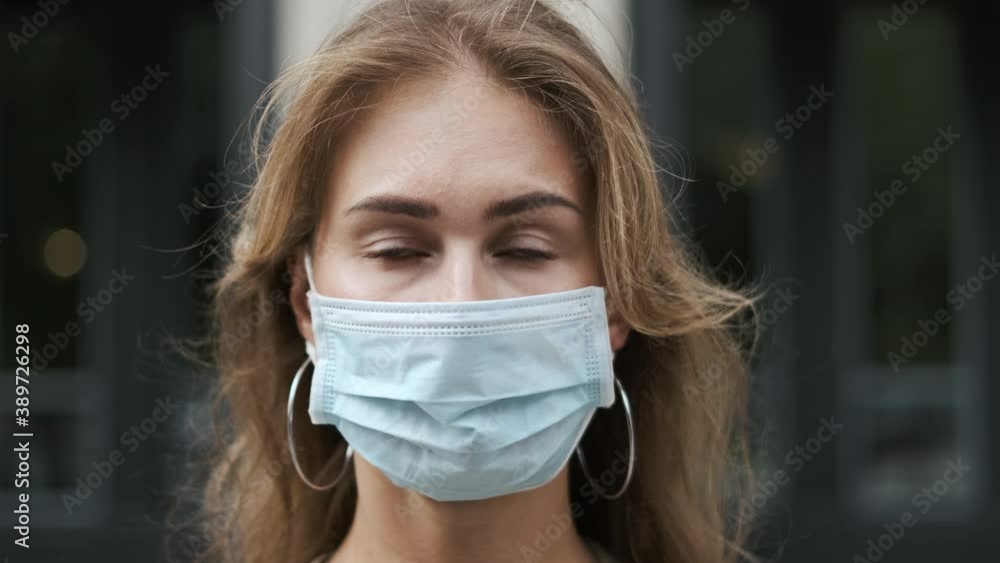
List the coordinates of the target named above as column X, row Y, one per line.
column 526, row 254
column 396, row 254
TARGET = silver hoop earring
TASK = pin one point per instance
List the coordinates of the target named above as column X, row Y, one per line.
column 631, row 448
column 291, row 438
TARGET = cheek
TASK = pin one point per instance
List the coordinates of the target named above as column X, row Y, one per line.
column 588, row 270
column 350, row 277
column 338, row 272
column 560, row 275
column 585, row 263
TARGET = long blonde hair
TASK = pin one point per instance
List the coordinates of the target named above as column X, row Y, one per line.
column 682, row 365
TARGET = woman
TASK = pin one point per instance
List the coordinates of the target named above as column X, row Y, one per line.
column 461, row 207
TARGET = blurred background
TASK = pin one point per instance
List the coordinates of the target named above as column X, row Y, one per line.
column 839, row 152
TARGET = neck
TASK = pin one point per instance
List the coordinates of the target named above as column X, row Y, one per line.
column 394, row 525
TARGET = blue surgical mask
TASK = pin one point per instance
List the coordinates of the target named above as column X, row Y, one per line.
column 462, row 400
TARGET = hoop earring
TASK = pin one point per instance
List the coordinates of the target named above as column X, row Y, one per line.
column 631, row 448
column 291, row 438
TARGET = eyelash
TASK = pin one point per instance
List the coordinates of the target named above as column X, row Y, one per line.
column 403, row 254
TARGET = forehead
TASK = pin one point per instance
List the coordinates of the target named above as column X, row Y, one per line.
column 461, row 142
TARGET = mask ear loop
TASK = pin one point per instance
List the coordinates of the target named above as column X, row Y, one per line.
column 310, row 347
column 291, row 439
column 631, row 448
column 309, row 272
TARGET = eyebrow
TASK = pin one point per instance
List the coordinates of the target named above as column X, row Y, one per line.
column 528, row 202
column 400, row 205
column 420, row 209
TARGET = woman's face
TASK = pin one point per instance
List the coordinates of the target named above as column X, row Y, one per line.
column 454, row 191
